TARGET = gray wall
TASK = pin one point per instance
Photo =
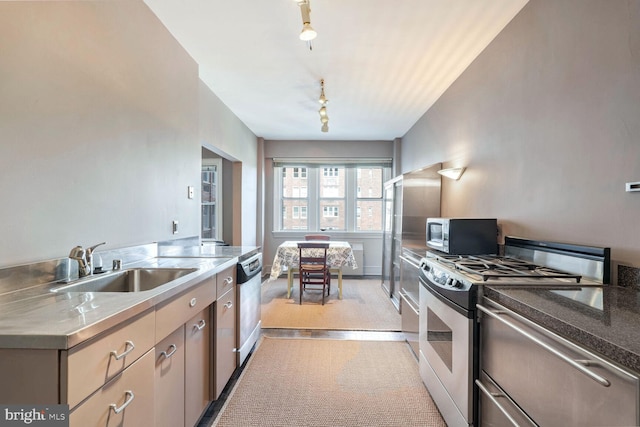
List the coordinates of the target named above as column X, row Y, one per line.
column 99, row 130
column 547, row 122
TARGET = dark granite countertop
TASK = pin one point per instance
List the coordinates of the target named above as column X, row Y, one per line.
column 605, row 319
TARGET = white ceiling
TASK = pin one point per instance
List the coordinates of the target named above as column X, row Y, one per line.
column 384, row 62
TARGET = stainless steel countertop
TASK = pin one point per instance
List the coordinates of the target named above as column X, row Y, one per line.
column 36, row 318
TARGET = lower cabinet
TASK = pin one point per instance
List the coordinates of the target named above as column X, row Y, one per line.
column 225, row 340
column 183, row 374
column 169, row 380
column 197, row 372
column 125, row 400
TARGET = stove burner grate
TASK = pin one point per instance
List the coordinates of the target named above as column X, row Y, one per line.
column 496, row 267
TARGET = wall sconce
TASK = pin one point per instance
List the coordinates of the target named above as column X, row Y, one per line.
column 452, row 173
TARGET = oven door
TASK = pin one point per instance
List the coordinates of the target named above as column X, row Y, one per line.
column 446, row 342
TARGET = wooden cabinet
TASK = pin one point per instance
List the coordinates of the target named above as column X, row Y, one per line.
column 225, row 340
column 197, row 372
column 169, row 380
column 125, row 400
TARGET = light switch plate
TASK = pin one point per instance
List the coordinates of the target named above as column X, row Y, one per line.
column 190, row 192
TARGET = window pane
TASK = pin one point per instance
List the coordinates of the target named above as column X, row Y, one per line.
column 294, row 214
column 371, row 215
column 294, row 182
column 332, row 182
column 332, row 215
column 369, row 182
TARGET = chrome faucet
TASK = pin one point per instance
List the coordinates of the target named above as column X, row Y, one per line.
column 84, row 258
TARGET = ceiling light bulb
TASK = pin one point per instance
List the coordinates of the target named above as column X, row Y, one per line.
column 325, row 127
column 308, row 33
column 323, row 99
column 324, row 119
column 323, row 111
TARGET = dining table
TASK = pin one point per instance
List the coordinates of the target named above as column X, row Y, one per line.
column 339, row 254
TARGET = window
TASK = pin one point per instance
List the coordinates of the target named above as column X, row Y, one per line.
column 330, row 211
column 211, row 222
column 319, row 197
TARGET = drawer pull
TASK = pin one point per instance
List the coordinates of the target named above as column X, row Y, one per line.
column 493, row 398
column 129, row 399
column 576, row 364
column 228, row 305
column 193, row 302
column 228, row 280
column 200, row 325
column 129, row 344
column 172, row 349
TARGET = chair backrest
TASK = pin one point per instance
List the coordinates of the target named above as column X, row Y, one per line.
column 313, row 253
column 317, row 237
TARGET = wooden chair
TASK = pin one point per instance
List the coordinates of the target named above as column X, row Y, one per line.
column 317, row 237
column 313, row 270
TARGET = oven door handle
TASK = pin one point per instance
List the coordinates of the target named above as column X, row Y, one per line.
column 576, row 364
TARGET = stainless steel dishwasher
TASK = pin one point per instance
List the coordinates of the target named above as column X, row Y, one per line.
column 248, row 288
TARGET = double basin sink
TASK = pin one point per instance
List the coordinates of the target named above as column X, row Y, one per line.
column 127, row 280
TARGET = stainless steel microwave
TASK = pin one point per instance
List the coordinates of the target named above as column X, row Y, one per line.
column 463, row 236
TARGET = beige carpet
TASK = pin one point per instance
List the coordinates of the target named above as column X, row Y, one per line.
column 313, row 382
column 364, row 306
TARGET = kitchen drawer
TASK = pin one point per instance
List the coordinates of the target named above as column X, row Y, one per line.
column 182, row 308
column 90, row 365
column 225, row 280
column 134, row 385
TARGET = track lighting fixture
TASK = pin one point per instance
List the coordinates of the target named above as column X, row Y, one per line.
column 308, row 33
column 324, row 117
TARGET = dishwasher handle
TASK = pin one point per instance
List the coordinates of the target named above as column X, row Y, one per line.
column 577, row 364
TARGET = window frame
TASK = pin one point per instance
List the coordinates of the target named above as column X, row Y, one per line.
column 314, row 173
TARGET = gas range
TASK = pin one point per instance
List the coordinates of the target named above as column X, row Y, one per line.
column 525, row 264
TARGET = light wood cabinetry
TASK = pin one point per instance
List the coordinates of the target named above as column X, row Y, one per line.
column 169, row 380
column 126, row 400
column 225, row 330
column 197, row 372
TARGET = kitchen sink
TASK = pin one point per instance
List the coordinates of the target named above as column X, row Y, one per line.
column 129, row 280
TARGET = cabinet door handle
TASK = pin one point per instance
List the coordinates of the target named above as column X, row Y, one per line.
column 229, row 304
column 129, row 344
column 172, row 349
column 576, row 364
column 200, row 325
column 229, row 280
column 128, row 400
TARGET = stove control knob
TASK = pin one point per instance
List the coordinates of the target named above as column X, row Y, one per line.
column 456, row 284
column 448, row 282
